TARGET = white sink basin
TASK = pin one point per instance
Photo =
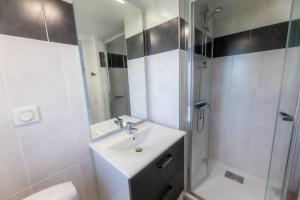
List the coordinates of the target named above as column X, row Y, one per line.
column 131, row 153
column 139, row 143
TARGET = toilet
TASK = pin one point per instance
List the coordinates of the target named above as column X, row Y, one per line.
column 64, row 191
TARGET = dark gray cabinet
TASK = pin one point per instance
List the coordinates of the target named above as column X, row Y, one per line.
column 162, row 179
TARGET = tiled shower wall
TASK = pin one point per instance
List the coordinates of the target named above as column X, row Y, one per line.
column 246, row 76
column 245, row 92
column 42, row 68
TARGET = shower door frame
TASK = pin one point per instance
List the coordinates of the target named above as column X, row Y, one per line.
column 191, row 50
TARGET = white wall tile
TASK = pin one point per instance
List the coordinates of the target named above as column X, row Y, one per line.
column 12, row 168
column 73, row 74
column 33, row 70
column 245, row 92
column 137, row 87
column 49, row 146
column 81, row 129
column 163, row 83
column 50, row 76
column 221, row 79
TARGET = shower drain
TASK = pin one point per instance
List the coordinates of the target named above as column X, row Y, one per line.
column 234, row 177
column 139, row 149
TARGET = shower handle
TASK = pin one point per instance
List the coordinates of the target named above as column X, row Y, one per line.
column 286, row 117
column 200, row 107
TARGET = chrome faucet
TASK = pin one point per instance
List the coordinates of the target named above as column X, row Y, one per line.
column 130, row 129
column 119, row 122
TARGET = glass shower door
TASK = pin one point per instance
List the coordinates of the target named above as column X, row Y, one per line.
column 284, row 176
column 200, row 95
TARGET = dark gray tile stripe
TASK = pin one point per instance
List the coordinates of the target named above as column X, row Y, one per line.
column 158, row 39
column 116, row 60
column 60, row 29
column 162, row 38
column 135, row 46
column 234, row 44
column 260, row 39
column 17, row 19
column 198, row 44
column 269, row 37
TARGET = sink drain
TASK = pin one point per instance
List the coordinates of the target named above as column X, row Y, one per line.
column 139, row 149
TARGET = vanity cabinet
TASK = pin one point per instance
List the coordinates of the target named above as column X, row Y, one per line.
column 163, row 178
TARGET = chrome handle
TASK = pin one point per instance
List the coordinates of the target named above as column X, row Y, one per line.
column 286, row 117
column 165, row 161
column 118, row 97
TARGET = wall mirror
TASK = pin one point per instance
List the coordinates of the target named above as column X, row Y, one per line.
column 110, row 34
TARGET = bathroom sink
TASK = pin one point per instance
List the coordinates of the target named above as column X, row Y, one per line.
column 129, row 153
column 138, row 143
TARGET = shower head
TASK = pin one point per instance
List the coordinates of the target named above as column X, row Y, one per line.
column 215, row 11
column 212, row 13
column 218, row 9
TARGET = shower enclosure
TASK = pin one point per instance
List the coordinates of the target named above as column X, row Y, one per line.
column 118, row 77
column 208, row 179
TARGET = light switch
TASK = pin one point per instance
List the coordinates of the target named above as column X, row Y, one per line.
column 26, row 115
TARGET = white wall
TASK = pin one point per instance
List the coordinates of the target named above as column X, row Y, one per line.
column 54, row 150
column 137, row 87
column 163, row 85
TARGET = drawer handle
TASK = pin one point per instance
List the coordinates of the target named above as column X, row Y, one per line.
column 166, row 194
column 165, row 161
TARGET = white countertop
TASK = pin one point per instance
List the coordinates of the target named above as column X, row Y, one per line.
column 129, row 162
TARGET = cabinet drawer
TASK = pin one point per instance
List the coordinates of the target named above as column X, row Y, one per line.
column 150, row 181
column 173, row 188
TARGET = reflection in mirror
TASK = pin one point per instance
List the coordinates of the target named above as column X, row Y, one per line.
column 111, row 39
column 118, row 78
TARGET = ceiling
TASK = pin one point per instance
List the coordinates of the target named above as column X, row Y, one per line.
column 101, row 18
